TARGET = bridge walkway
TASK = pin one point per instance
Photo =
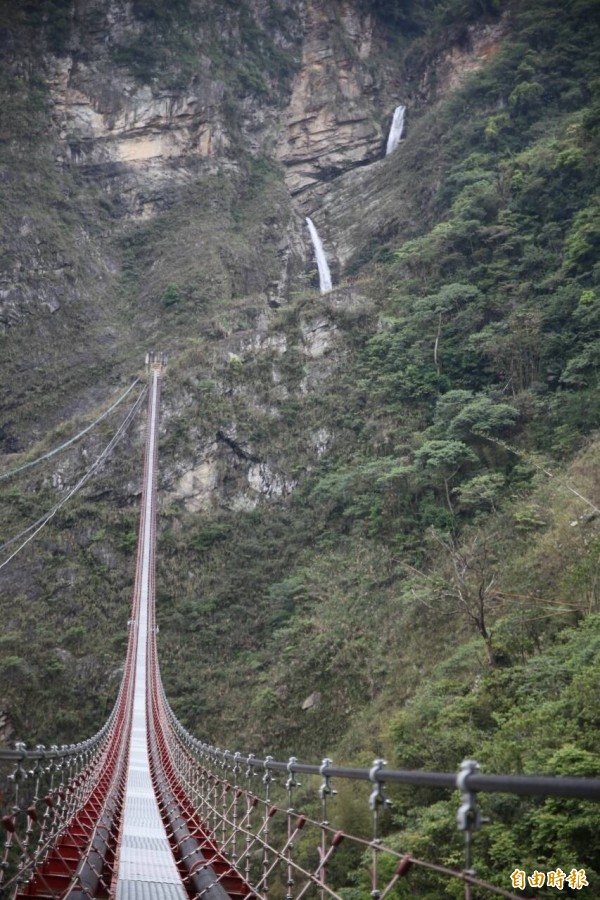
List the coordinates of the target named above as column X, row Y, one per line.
column 145, row 864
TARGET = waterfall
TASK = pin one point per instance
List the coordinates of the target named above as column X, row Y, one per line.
column 396, row 130
column 324, row 273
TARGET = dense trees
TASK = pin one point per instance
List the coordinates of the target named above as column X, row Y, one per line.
column 432, row 573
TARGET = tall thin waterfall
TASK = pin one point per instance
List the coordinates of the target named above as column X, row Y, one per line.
column 395, row 135
column 322, row 266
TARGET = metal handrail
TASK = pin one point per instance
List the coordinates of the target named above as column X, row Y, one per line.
column 521, row 785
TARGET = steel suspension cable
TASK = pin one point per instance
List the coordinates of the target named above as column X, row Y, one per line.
column 80, row 811
column 41, row 522
column 72, row 440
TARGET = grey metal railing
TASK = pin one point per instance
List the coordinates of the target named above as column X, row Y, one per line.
column 258, row 817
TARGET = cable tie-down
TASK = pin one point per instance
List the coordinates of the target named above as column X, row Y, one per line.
column 377, row 797
column 236, row 768
column 468, row 816
column 20, row 773
column 291, row 782
column 325, row 789
column 267, row 777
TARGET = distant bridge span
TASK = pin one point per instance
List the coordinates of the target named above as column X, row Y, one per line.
column 144, row 811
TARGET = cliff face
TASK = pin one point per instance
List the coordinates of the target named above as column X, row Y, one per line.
column 157, row 162
column 140, row 106
column 329, row 116
column 142, row 129
column 120, row 113
column 336, row 115
column 135, row 138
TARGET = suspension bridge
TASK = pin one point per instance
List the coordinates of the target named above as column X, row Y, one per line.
column 145, row 811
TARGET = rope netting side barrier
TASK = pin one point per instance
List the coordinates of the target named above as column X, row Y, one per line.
column 60, row 807
column 283, row 840
column 60, row 810
column 42, row 790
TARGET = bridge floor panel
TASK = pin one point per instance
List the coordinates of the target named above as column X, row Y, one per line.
column 138, row 890
column 146, row 868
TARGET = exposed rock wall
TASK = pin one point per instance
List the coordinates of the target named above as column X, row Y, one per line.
column 142, row 142
column 333, row 120
column 134, row 137
column 447, row 69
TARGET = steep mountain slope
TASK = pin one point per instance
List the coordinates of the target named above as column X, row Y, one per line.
column 150, row 157
column 379, row 525
column 143, row 203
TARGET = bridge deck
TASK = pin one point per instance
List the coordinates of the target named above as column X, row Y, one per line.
column 146, row 867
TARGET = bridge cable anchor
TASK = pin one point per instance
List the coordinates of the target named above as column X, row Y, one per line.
column 468, row 817
column 251, row 766
column 377, row 801
column 291, row 782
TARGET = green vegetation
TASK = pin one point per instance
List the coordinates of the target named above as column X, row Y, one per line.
column 477, row 373
column 399, row 490
column 416, row 17
column 209, row 242
column 172, row 38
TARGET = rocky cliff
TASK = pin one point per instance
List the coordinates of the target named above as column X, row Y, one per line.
column 132, row 110
column 330, row 113
column 157, row 163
